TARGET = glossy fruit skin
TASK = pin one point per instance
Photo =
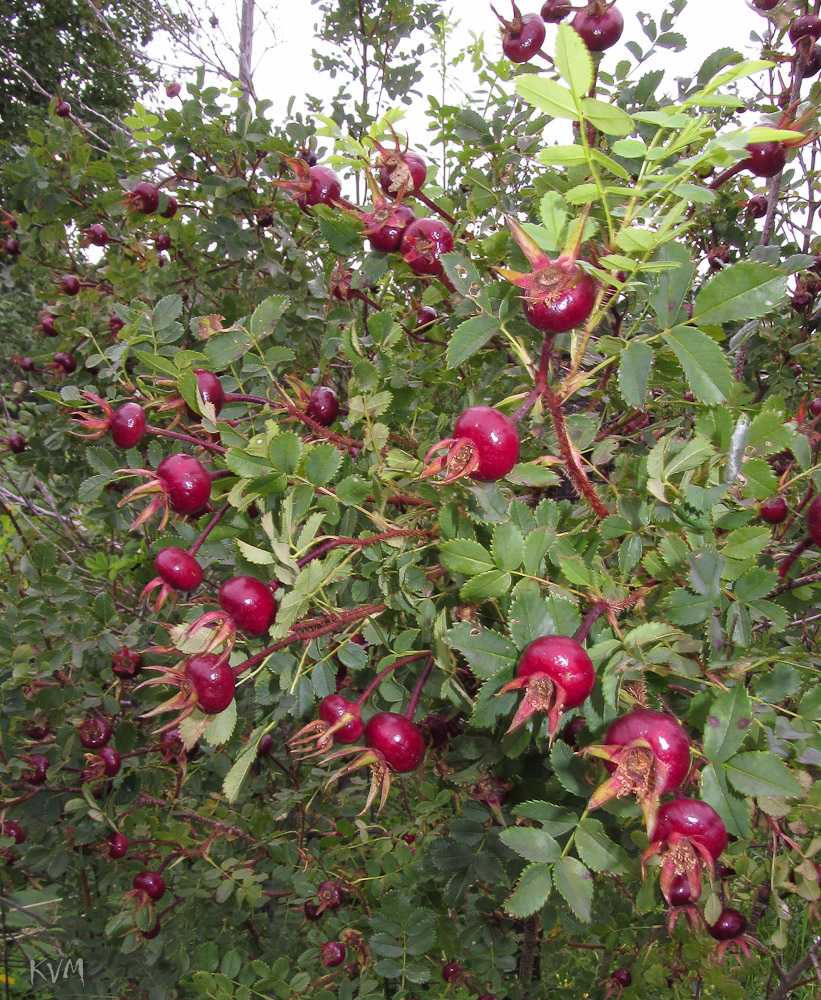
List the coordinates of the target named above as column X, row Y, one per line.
column 333, row 954
column 152, row 932
column 115, row 324
column 249, row 602
column 565, row 662
column 451, row 970
column 66, row 362
column 39, row 769
column 112, row 761
column 695, row 820
column 324, row 190
column 730, row 925
column 62, row 109
column 806, row 26
column 387, row 237
column 774, row 510
column 407, row 166
column 599, row 31
column 330, row 895
column 622, row 977
column 10, row 828
column 94, row 733
column 97, row 234
column 679, row 891
column 151, row 883
column 765, row 5
column 213, row 682
column 178, row 568
column 12, row 246
column 27, row 364
column 265, row 745
column 423, row 243
column 520, row 46
column 554, row 11
column 311, row 910
column 323, row 405
column 47, row 323
column 186, row 483
column 396, row 739
column 757, row 207
column 425, row 316
column 145, row 198
column 170, row 209
column 127, row 425
column 564, row 309
column 38, row 730
column 126, row 663
column 70, row 284
column 668, row 741
column 814, row 407
column 17, row 444
column 814, row 520
column 332, row 708
column 210, row 388
column 117, row 845
column 766, row 159
column 496, row 440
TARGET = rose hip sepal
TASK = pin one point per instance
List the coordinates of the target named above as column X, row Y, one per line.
column 648, row 754
column 126, row 424
column 689, row 833
column 523, row 36
column 558, row 294
column 393, row 745
column 400, row 171
column 312, row 185
column 556, row 673
column 176, row 570
column 204, row 681
column 730, row 929
column 339, row 722
column 484, row 446
column 181, row 484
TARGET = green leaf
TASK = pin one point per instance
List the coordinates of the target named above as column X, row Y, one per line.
column 606, row 118
column 747, row 543
column 462, row 555
column 468, row 337
column 547, row 95
column 222, row 726
column 486, row 651
column 245, row 465
column 562, row 156
column 494, row 583
column 575, row 883
column 266, row 315
column 352, row 491
column 233, row 781
column 742, row 291
column 758, row 773
column 508, row 547
column 466, row 279
column 568, row 769
column 730, row 806
column 531, row 844
column 285, row 451
column 634, row 370
column 227, row 347
column 760, row 482
column 531, row 892
column 597, row 851
column 322, row 464
column 673, row 284
column 768, row 434
column 532, row 616
column 530, row 474
column 704, row 363
column 573, row 60
column 727, row 724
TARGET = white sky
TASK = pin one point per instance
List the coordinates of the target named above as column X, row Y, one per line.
column 284, row 40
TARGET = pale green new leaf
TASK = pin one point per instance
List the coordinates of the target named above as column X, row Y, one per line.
column 573, row 60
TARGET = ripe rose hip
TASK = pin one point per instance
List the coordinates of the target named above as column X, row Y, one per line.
column 757, row 206
column 556, row 674
column 333, row 954
column 170, row 209
column 311, row 910
column 400, row 168
column 97, row 234
column 425, row 316
column 814, row 520
column 523, row 36
column 152, row 884
column 47, row 321
column 173, row 89
column 39, row 765
column 774, row 510
column 62, row 109
column 423, row 243
column 16, row 443
column 162, row 242
column 115, row 324
column 212, row 681
column 766, row 159
column 331, row 896
column 648, row 755
column 117, row 845
column 126, row 663
column 814, row 407
column 178, row 568
column 600, row 27
column 144, row 198
column 112, row 761
column 451, row 971
column 210, row 388
column 623, row 977
column 396, row 739
column 484, row 446
column 730, row 924
column 70, row 284
column 323, row 405
column 66, row 362
column 765, row 5
column 689, row 833
column 554, row 11
column 558, row 294
column 94, row 732
column 186, row 483
column 127, row 425
column 807, row 26
column 10, row 828
column 336, row 710
column 265, row 745
column 250, row 604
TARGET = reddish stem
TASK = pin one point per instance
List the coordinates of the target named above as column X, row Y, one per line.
column 802, row 546
column 577, row 474
column 434, row 207
column 541, row 381
column 417, row 691
column 723, row 178
column 215, row 520
column 362, row 543
column 374, row 684
column 162, row 432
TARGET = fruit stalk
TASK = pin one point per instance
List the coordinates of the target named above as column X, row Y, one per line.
column 178, row 436
column 417, row 690
column 576, row 472
column 374, row 684
column 215, row 520
column 362, row 543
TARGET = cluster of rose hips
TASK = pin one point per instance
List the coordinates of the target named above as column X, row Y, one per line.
column 599, row 25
